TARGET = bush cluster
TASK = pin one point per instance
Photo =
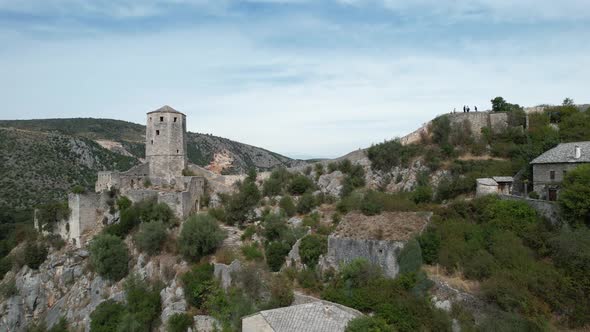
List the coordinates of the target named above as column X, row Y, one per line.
column 109, row 256
column 200, row 236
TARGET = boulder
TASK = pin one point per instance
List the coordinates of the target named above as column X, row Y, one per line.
column 206, row 324
column 224, row 272
column 331, row 184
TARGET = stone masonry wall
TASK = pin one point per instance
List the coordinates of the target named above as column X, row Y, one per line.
column 345, row 250
column 166, row 143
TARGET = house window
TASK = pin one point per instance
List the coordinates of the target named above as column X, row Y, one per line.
column 552, row 175
column 174, row 119
column 157, row 132
column 161, row 119
column 152, row 142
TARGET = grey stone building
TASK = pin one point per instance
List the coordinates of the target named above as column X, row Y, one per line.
column 166, row 177
column 550, row 168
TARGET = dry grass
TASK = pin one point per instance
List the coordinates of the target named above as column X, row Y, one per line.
column 456, row 280
column 394, row 226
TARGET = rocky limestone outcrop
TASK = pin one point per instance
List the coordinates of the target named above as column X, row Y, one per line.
column 331, row 184
column 224, row 272
column 64, row 286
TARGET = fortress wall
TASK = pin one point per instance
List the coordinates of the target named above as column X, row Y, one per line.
column 382, row 253
column 84, row 215
column 477, row 120
column 498, row 122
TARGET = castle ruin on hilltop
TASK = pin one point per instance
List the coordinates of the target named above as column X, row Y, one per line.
column 166, row 176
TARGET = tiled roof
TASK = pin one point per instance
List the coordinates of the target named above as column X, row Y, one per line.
column 565, row 153
column 320, row 316
column 487, row 182
column 165, row 109
column 503, row 178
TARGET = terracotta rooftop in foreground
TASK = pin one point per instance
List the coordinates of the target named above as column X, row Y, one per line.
column 392, row 226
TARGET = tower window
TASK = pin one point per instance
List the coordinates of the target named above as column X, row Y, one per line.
column 161, row 119
column 552, row 175
column 157, row 132
column 152, row 142
column 150, row 118
column 176, row 151
column 174, row 119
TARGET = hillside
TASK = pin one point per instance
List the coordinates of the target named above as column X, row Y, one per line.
column 42, row 159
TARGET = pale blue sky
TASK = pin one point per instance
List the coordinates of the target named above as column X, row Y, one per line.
column 302, row 78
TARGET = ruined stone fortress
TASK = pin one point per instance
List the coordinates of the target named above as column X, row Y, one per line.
column 166, row 177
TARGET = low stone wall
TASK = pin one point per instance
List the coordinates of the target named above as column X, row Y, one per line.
column 547, row 209
column 382, row 253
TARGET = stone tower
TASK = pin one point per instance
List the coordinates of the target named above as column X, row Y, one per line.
column 165, row 146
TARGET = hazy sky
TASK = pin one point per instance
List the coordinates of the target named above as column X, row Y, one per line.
column 302, row 78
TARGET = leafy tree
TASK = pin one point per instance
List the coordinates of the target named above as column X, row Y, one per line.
column 198, row 283
column 107, row 316
column 422, row 194
column 200, row 236
column 286, row 203
column 109, row 256
column 143, row 304
column 574, row 197
column 275, row 227
column 441, row 130
column 35, row 254
column 384, row 156
column 150, row 237
column 368, row 324
column 371, row 204
column 306, row 203
column 241, row 203
column 50, row 214
column 275, row 254
column 272, row 187
column 311, row 248
column 179, row 322
column 300, row 184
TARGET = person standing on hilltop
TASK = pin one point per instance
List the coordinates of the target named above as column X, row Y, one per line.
column 475, row 107
column 464, row 108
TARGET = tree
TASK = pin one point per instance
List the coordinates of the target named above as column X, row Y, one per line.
column 368, row 324
column 574, row 196
column 50, row 214
column 200, row 236
column 311, row 248
column 107, row 316
column 275, row 254
column 109, row 256
column 286, row 203
column 35, row 254
column 150, row 237
column 300, row 184
column 179, row 322
column 306, row 203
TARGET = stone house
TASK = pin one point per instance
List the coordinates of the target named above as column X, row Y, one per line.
column 494, row 185
column 550, row 168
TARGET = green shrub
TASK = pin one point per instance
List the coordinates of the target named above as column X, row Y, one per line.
column 50, row 214
column 241, row 203
column 332, row 167
column 124, row 203
column 217, row 213
column 200, row 236
column 143, row 304
column 300, row 184
column 311, row 220
column 574, row 196
column 422, row 194
column 60, row 326
column 275, row 227
column 430, row 245
column 109, row 256
column 272, row 187
column 286, row 203
column 410, row 258
column 371, row 204
column 252, row 252
column 308, row 278
column 387, row 155
column 281, row 292
column 275, row 254
column 150, row 237
column 198, row 283
column 533, row 195
column 306, row 203
column 248, row 233
column 179, row 322
column 311, row 248
column 515, row 216
column 107, row 316
column 78, row 189
column 441, row 130
column 368, row 324
column 35, row 254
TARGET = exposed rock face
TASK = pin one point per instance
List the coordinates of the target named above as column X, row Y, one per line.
column 294, row 259
column 331, row 184
column 224, row 272
column 206, row 324
column 64, row 286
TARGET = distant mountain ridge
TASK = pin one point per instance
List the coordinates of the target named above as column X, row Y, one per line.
column 41, row 159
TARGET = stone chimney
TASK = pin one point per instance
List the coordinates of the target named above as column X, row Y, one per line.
column 578, row 152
